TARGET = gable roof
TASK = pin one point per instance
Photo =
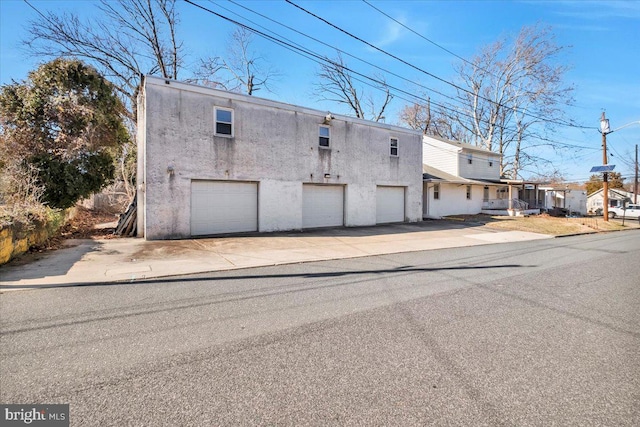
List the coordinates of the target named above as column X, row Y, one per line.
column 613, row 192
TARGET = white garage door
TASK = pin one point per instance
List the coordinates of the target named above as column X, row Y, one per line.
column 322, row 206
column 223, row 207
column 389, row 204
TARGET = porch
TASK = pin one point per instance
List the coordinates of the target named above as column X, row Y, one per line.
column 508, row 207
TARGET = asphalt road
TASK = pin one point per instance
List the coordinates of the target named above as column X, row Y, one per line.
column 537, row 333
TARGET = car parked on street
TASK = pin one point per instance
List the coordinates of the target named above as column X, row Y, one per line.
column 632, row 211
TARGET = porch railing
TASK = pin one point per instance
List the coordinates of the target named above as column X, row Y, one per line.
column 500, row 204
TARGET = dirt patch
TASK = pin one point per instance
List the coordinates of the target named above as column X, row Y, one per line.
column 84, row 224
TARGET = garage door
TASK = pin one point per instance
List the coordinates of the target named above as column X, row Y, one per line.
column 223, row 207
column 322, row 206
column 389, row 204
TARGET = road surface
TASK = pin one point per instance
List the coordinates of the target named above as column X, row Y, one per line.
column 536, row 333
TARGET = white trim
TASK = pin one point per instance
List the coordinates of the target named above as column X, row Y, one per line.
column 216, row 121
column 328, row 137
column 397, row 147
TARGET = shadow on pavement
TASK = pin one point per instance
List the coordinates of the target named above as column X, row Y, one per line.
column 332, row 274
column 47, row 264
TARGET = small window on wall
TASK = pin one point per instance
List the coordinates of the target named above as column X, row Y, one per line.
column 224, row 121
column 325, row 136
column 468, row 192
column 393, row 147
column 470, row 159
column 490, row 163
column 436, row 191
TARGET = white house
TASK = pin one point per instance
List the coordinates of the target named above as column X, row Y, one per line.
column 215, row 162
column 570, row 199
column 595, row 200
column 460, row 178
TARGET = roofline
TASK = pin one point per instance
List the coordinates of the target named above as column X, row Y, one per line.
column 191, row 87
column 462, row 145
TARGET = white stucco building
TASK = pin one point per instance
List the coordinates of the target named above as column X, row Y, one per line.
column 214, row 162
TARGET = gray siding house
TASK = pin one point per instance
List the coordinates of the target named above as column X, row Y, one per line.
column 215, row 162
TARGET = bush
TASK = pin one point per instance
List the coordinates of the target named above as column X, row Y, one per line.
column 67, row 181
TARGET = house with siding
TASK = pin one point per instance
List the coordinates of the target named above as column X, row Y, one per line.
column 617, row 196
column 214, row 162
column 464, row 179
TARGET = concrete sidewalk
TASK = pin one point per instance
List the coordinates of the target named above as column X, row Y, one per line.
column 130, row 259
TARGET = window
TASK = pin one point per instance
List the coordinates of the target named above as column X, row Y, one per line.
column 436, row 191
column 490, row 163
column 325, row 136
column 224, row 121
column 469, row 158
column 393, row 147
column 485, row 194
column 468, row 192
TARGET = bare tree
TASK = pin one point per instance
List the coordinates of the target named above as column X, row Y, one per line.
column 336, row 84
column 242, row 71
column 510, row 97
column 129, row 39
column 431, row 121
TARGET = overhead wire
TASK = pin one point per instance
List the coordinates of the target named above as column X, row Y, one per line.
column 339, row 50
column 425, row 38
column 466, row 61
column 297, row 48
column 460, row 88
column 300, row 49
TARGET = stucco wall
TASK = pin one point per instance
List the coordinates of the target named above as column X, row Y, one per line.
column 275, row 145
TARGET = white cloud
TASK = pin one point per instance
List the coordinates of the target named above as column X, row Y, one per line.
column 392, row 33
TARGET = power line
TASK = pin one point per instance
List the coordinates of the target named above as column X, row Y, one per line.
column 297, row 48
column 324, row 60
column 336, row 48
column 448, row 51
column 305, row 52
column 426, row 72
column 425, row 38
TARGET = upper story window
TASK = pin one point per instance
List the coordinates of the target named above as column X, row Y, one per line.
column 490, row 163
column 468, row 192
column 325, row 136
column 469, row 159
column 393, row 147
column 436, row 191
column 224, row 121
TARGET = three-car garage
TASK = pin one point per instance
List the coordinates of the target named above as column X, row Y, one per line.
column 222, row 207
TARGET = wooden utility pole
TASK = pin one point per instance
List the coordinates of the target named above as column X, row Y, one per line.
column 605, row 176
column 635, row 183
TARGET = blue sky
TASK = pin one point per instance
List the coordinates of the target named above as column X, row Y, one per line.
column 603, row 39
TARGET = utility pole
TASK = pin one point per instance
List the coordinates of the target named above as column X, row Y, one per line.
column 635, row 183
column 604, row 126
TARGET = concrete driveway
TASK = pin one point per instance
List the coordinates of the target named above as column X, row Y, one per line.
column 131, row 259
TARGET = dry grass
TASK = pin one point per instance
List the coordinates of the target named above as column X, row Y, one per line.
column 555, row 226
